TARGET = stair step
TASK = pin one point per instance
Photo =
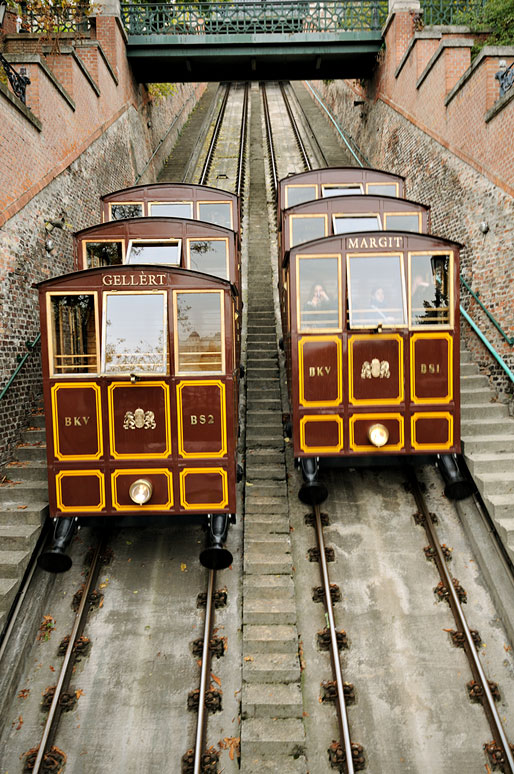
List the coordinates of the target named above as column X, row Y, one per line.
column 8, row 589
column 490, row 462
column 24, row 493
column 33, row 470
column 35, row 513
column 488, row 443
column 271, row 668
column 276, row 638
column 275, row 700
column 472, row 396
column 471, row 411
column 496, row 483
column 13, row 563
column 277, row 736
column 489, row 426
column 18, row 537
column 29, row 451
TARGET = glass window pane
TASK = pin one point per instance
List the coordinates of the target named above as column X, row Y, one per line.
column 122, row 211
column 199, row 343
column 407, row 222
column 382, row 189
column 210, row 256
column 216, row 212
column 172, row 210
column 103, row 254
column 343, row 225
column 318, row 281
column 135, row 334
column 301, row 193
column 375, row 291
column 341, row 190
column 304, row 229
column 430, row 290
column 164, row 253
column 73, row 334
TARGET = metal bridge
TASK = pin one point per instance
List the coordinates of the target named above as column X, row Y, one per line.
column 265, row 40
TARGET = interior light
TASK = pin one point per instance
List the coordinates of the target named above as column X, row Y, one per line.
column 378, row 435
column 140, row 491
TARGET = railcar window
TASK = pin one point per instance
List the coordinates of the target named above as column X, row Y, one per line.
column 341, row 190
column 73, row 346
column 349, row 224
column 318, row 296
column 135, row 333
column 199, row 332
column 171, row 209
column 103, row 254
column 303, row 228
column 210, row 256
column 376, row 291
column 430, row 296
column 296, row 194
column 164, row 253
column 219, row 213
column 123, row 211
column 403, row 222
column 382, row 189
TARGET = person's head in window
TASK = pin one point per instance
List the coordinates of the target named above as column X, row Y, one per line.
column 378, row 298
column 318, row 297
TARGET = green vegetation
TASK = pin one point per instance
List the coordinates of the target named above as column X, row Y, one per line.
column 160, row 91
column 496, row 17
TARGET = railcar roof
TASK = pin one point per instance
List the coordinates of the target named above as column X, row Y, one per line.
column 163, row 186
column 330, row 170
column 334, row 242
column 129, row 224
column 333, row 201
column 130, row 268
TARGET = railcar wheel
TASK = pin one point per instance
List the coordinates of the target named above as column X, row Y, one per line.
column 54, row 559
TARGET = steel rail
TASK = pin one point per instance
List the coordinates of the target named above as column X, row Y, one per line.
column 204, row 175
column 242, row 144
column 204, row 675
column 342, row 716
column 269, row 138
column 67, row 665
column 460, row 619
column 320, row 158
column 301, row 146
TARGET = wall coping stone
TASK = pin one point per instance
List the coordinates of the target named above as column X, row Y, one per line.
column 98, row 45
column 39, row 60
column 487, row 51
column 498, row 106
column 19, row 105
column 452, row 43
column 428, row 34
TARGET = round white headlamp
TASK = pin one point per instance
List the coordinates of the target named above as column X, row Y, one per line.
column 140, row 491
column 378, row 435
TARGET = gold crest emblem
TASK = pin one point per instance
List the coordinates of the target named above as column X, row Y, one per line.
column 139, row 419
column 377, row 369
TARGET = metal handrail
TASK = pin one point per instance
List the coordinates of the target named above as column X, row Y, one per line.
column 253, row 17
column 30, row 346
column 487, row 343
column 492, row 318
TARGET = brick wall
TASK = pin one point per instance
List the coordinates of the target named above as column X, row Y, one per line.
column 89, row 129
column 437, row 119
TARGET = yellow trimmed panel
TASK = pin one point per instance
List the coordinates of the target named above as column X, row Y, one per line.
column 141, row 401
column 73, row 487
column 153, row 474
column 374, row 340
column 330, row 426
column 360, row 423
column 430, row 367
column 206, row 418
column 327, row 377
column 436, row 426
column 186, row 490
column 77, row 421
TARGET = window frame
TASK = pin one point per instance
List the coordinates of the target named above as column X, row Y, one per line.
column 331, row 329
column 451, row 300
column 125, row 204
column 50, row 333
column 208, row 239
column 150, row 204
column 166, row 359
column 419, row 215
column 308, row 215
column 384, row 254
column 216, row 201
column 154, row 241
column 86, row 242
column 300, row 185
column 357, row 189
column 197, row 291
column 346, row 215
column 383, row 183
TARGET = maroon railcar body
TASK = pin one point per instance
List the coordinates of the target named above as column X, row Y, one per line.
column 373, row 340
column 140, row 381
column 182, row 200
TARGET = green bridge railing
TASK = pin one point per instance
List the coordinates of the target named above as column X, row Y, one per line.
column 268, row 16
